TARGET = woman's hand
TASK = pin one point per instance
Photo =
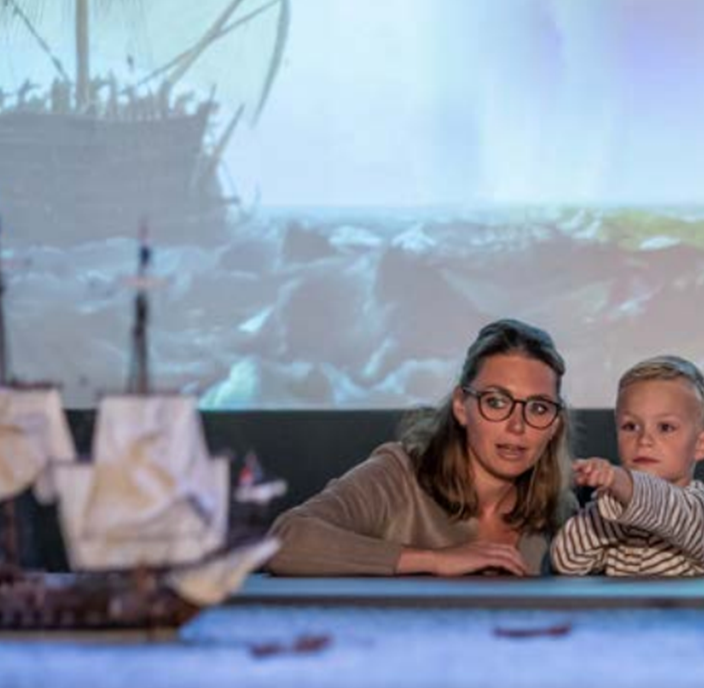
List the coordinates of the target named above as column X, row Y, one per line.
column 604, row 476
column 460, row 560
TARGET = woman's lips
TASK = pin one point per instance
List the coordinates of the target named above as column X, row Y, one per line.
column 512, row 452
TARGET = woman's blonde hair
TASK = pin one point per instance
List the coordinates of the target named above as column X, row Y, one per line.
column 437, row 443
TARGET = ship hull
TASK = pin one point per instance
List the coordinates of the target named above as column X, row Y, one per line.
column 67, row 179
column 52, row 602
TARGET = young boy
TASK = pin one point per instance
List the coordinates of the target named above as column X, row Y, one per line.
column 648, row 515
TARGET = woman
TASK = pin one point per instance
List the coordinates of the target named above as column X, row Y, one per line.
column 476, row 485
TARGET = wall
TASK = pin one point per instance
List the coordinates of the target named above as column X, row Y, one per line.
column 306, row 448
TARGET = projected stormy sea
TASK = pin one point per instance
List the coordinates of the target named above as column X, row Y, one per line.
column 362, row 308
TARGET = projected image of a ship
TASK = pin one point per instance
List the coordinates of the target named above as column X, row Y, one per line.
column 85, row 153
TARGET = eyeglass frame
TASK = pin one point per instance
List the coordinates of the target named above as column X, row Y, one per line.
column 476, row 394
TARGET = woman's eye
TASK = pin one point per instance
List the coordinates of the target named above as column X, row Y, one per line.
column 538, row 408
column 497, row 401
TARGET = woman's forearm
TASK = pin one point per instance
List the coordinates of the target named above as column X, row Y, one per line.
column 313, row 547
column 414, row 560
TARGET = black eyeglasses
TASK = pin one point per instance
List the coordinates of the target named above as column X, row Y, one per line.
column 495, row 406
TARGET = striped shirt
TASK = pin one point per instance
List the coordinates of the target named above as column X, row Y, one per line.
column 659, row 533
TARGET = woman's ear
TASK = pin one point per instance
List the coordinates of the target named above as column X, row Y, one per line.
column 556, row 426
column 459, row 406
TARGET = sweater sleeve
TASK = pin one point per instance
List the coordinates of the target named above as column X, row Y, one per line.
column 673, row 513
column 581, row 546
column 341, row 531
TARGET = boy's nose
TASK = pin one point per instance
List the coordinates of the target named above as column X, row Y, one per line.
column 645, row 438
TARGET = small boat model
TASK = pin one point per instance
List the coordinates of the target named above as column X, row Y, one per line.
column 153, row 528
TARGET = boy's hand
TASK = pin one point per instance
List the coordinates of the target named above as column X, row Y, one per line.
column 605, row 477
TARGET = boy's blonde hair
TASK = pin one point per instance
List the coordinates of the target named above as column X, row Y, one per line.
column 665, row 368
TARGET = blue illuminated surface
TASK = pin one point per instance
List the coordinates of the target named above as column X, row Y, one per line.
column 383, row 647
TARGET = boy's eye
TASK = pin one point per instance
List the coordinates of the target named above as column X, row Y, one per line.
column 627, row 426
column 666, row 427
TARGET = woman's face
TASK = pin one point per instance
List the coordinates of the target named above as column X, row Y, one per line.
column 504, row 450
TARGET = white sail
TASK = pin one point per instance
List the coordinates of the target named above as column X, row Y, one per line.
column 152, row 495
column 132, row 40
column 212, row 582
column 33, row 433
column 240, row 61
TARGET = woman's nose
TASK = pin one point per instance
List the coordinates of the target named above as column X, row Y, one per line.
column 516, row 422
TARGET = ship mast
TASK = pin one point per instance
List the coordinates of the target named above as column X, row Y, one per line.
column 82, row 55
column 4, row 363
column 194, row 53
column 138, row 382
column 9, row 545
column 180, row 65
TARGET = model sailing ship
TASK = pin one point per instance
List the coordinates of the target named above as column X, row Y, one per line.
column 150, row 525
column 85, row 154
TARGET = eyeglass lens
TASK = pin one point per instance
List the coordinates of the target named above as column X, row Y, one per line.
column 497, row 406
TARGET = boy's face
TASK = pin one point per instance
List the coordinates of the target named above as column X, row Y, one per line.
column 660, row 429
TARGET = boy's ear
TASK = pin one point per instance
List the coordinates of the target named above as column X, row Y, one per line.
column 699, row 447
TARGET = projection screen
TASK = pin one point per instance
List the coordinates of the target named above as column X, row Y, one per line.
column 339, row 193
